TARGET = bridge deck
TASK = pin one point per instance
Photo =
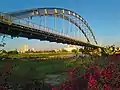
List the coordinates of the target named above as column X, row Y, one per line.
column 18, row 30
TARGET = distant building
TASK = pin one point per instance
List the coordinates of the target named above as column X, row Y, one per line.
column 69, row 48
column 33, row 49
column 24, row 49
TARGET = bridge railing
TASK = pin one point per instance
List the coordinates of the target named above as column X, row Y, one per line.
column 5, row 18
column 10, row 20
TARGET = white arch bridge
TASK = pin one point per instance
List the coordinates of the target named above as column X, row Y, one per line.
column 51, row 24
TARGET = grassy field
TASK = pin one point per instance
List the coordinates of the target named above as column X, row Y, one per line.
column 40, row 69
column 22, row 71
column 38, row 55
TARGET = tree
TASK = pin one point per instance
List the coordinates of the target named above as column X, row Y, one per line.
column 29, row 51
column 13, row 52
column 3, row 51
column 63, row 50
column 81, row 50
column 74, row 51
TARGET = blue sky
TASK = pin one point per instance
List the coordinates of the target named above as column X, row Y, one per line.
column 102, row 15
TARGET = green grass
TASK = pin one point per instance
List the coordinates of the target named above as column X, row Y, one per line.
column 42, row 68
column 39, row 55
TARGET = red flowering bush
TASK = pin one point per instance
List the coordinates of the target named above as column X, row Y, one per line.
column 3, row 88
column 95, row 79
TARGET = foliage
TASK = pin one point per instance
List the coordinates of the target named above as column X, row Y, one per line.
column 29, row 80
column 39, row 55
column 74, row 50
column 3, row 54
column 110, row 50
column 89, row 73
column 4, row 51
column 63, row 50
column 95, row 78
column 81, row 50
column 13, row 52
column 22, row 74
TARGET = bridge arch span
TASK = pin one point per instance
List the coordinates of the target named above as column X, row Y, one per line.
column 61, row 13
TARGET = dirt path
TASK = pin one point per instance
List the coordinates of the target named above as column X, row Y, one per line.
column 55, row 79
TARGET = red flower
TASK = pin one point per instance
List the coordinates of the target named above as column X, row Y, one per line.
column 3, row 88
column 107, row 87
column 117, row 88
column 87, row 75
column 54, row 89
column 93, row 83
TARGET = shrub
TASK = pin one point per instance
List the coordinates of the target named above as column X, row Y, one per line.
column 95, row 78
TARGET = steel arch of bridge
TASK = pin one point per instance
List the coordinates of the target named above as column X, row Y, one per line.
column 61, row 13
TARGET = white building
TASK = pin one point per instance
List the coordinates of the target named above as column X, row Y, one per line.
column 24, row 49
column 33, row 49
column 69, row 48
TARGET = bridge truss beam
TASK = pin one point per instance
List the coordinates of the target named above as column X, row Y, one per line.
column 65, row 14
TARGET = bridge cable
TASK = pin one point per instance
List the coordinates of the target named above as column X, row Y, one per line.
column 63, row 25
column 40, row 21
column 69, row 26
column 79, row 34
column 54, row 24
column 71, row 30
column 45, row 22
column 74, row 31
